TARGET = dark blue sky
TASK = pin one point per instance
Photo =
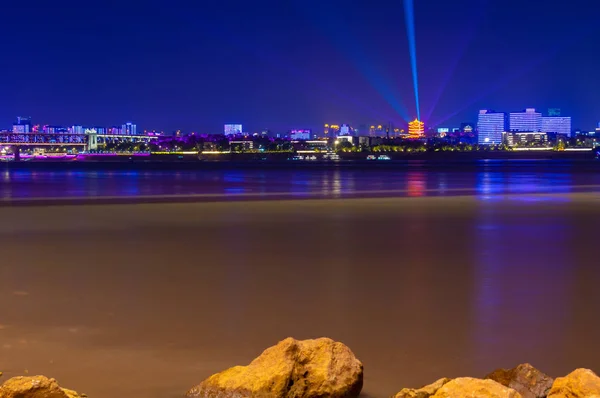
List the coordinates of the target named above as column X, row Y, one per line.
column 285, row 64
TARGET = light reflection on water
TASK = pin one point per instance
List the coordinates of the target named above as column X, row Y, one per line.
column 522, row 277
column 485, row 183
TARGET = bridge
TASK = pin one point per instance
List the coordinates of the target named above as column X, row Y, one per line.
column 89, row 140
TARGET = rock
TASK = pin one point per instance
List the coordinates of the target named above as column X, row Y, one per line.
column 578, row 384
column 34, row 387
column 525, row 379
column 73, row 394
column 423, row 392
column 292, row 369
column 467, row 387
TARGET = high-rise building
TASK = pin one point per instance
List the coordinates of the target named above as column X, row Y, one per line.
column 345, row 129
column 557, row 124
column 23, row 125
column 129, row 129
column 77, row 129
column 490, row 126
column 297, row 135
column 378, row 130
column 331, row 130
column 233, row 129
column 529, row 121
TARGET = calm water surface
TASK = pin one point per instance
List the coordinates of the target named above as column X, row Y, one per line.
column 410, row 179
column 147, row 300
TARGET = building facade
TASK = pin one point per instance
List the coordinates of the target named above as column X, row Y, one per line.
column 490, row 126
column 300, row 135
column 527, row 121
column 22, row 126
column 525, row 139
column 416, row 129
column 557, row 124
column 232, row 129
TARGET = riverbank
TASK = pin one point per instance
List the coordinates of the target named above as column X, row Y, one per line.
column 322, row 367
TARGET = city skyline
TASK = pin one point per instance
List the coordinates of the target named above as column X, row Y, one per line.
column 529, row 119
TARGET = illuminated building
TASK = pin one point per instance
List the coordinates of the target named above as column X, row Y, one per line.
column 467, row 128
column 416, row 129
column 77, row 129
column 300, row 135
column 490, row 126
column 23, row 125
column 557, row 124
column 242, row 145
column 233, row 129
column 129, row 129
column 527, row 121
column 520, row 138
column 345, row 129
column 377, row 130
column 332, row 130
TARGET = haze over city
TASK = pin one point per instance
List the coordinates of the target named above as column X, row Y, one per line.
column 196, row 66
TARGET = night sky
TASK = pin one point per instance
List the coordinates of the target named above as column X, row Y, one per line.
column 283, row 64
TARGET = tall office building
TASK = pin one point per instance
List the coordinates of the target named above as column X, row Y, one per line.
column 557, row 124
column 490, row 126
column 77, row 129
column 23, row 125
column 530, row 121
column 129, row 129
column 345, row 129
column 297, row 135
column 233, row 129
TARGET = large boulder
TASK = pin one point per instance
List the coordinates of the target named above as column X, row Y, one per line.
column 577, row 384
column 292, row 369
column 467, row 387
column 34, row 387
column 423, row 392
column 525, row 379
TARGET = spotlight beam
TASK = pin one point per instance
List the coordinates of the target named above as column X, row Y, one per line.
column 409, row 15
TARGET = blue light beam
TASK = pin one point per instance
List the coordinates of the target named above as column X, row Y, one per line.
column 409, row 16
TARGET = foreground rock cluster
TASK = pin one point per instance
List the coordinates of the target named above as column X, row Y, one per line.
column 524, row 381
column 323, row 368
column 35, row 387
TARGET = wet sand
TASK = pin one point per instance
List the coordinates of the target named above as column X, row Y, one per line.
column 147, row 300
